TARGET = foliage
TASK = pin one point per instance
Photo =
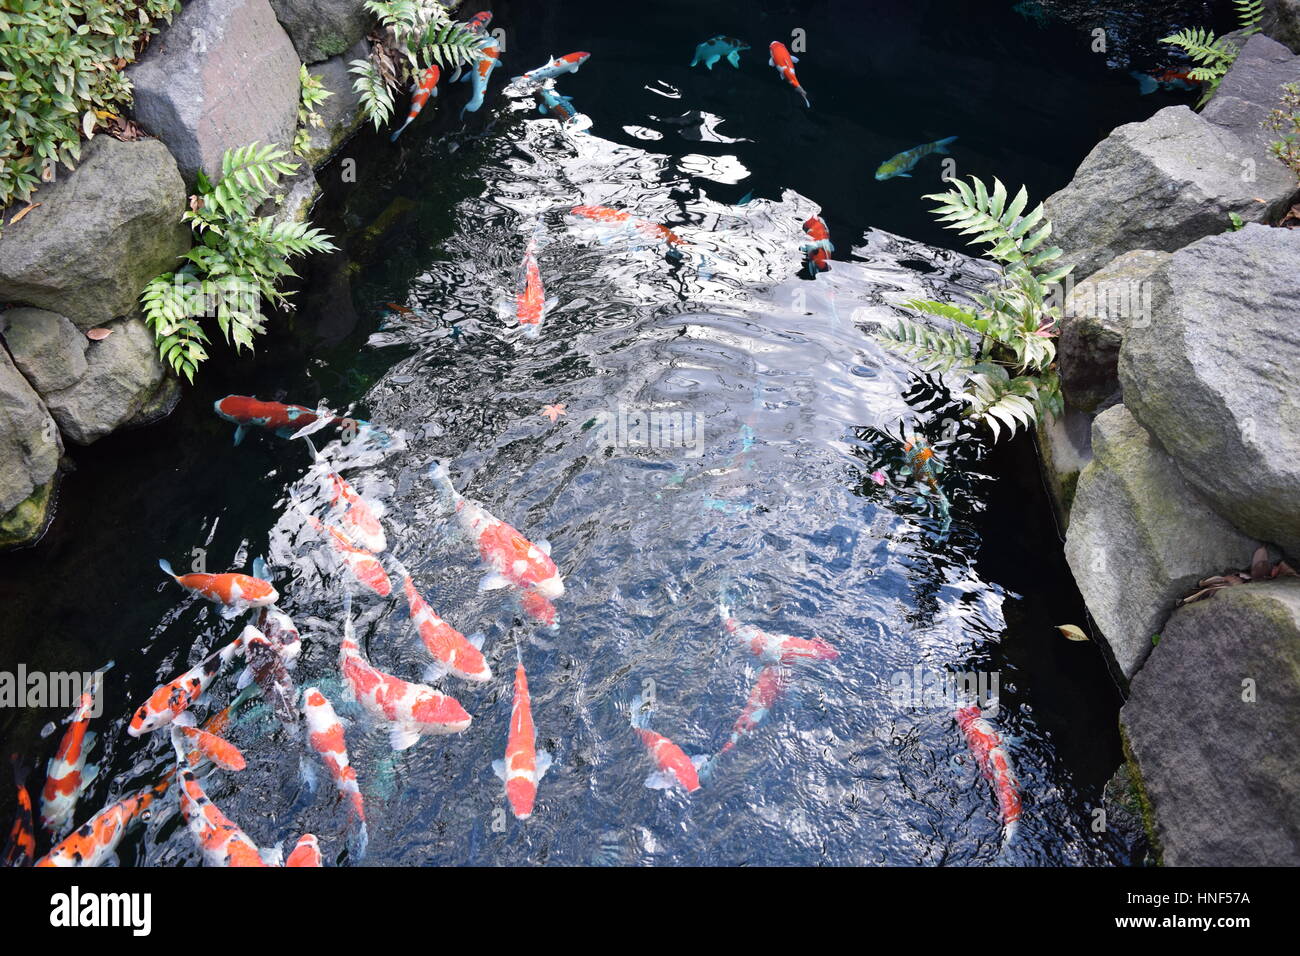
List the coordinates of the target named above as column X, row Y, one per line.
column 236, row 264
column 312, row 95
column 1216, row 54
column 1006, row 376
column 60, row 75
column 417, row 34
column 1286, row 121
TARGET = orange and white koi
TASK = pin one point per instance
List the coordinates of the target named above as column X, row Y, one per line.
column 359, row 518
column 555, row 66
column 419, row 96
column 206, row 743
column 365, row 567
column 451, row 650
column 306, row 852
column 170, row 700
column 325, row 734
column 20, row 847
column 489, row 59
column 236, row 592
column 479, row 22
column 410, row 710
column 539, row 609
column 512, row 558
column 995, row 763
column 675, row 768
column 96, row 840
column 776, row 648
column 766, row 691
column 619, row 217
column 245, row 412
column 524, row 765
column 66, row 776
column 781, row 59
column 531, row 304
column 223, row 842
column 820, row 248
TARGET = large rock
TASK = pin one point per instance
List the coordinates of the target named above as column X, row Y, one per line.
column 30, row 447
column 1140, row 538
column 223, row 75
column 46, row 347
column 321, row 29
column 123, row 376
column 100, row 234
column 1064, row 449
column 1214, row 376
column 1162, row 184
column 340, row 114
column 1282, row 22
column 1211, row 726
column 1252, row 90
column 1096, row 313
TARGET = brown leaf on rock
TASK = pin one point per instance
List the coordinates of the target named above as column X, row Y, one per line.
column 97, row 334
column 1071, row 631
column 1259, row 564
column 24, row 211
column 1284, row 570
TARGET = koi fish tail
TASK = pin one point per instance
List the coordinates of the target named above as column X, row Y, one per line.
column 941, row 147
column 640, row 712
column 398, row 132
column 806, row 102
column 441, row 478
column 167, row 568
column 358, row 841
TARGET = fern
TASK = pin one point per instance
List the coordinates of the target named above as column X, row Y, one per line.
column 1014, row 317
column 376, row 96
column 449, row 45
column 1213, row 55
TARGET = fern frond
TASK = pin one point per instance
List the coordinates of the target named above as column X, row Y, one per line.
column 1250, row 13
column 376, row 97
column 930, row 350
column 449, row 45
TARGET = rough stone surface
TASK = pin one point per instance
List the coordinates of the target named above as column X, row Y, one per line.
column 30, row 445
column 1065, row 448
column 100, row 234
column 1140, row 538
column 321, row 29
column 340, row 114
column 123, row 374
column 46, row 347
column 1096, row 313
column 223, row 75
column 1221, row 773
column 1213, row 378
column 1252, row 90
column 1282, row 22
column 1162, row 184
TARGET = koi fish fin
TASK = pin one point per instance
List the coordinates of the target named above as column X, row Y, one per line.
column 492, row 581
column 543, row 764
column 89, row 774
column 905, row 175
column 1146, row 84
column 434, row 672
column 703, row 766
column 166, row 567
column 734, row 58
column 229, row 612
column 640, row 712
column 770, row 62
column 661, row 780
column 240, row 430
column 476, row 639
column 439, row 475
column 307, row 773
column 402, row 738
column 260, row 569
column 358, row 841
column 806, row 102
column 499, row 768
column 941, row 147
column 543, row 546
column 398, row 131
column 274, row 856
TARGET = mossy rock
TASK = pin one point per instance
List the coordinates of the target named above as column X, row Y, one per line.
column 26, row 523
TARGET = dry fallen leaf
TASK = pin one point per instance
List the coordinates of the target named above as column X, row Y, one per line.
column 96, row 334
column 1259, row 565
column 1072, row 632
column 24, row 211
column 88, row 124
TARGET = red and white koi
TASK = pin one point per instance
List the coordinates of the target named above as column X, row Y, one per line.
column 96, row 840
column 531, row 304
column 235, row 592
column 306, row 852
column 512, row 558
column 325, row 734
column 820, row 248
column 781, row 59
column 170, row 700
column 776, row 648
column 410, row 710
column 524, row 765
column 223, row 842
column 206, row 743
column 767, row 690
column 20, row 847
column 675, row 768
column 479, row 22
column 365, row 567
column 555, row 66
column 419, row 96
column 285, row 420
column 619, row 217
column 536, row 607
column 67, row 776
column 995, row 764
column 451, row 650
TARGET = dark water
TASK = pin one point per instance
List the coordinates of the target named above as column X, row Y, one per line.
column 797, row 407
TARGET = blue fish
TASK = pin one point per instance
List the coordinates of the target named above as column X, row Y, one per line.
column 487, row 62
column 711, row 51
column 905, row 162
column 552, row 102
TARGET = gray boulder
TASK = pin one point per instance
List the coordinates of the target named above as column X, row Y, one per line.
column 123, row 375
column 1282, row 22
column 1140, row 539
column 223, row 75
column 46, row 347
column 1162, row 184
column 1096, row 313
column 1214, row 377
column 1064, row 450
column 1211, row 726
column 1252, row 90
column 30, row 447
column 100, row 234
column 321, row 29
column 340, row 114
